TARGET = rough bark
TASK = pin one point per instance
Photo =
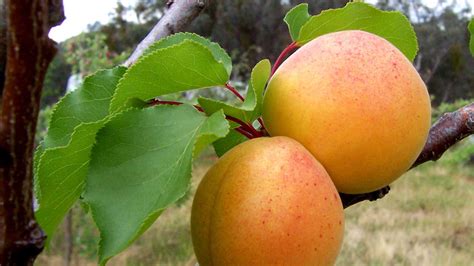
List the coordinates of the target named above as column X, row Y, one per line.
column 29, row 52
column 447, row 131
column 179, row 15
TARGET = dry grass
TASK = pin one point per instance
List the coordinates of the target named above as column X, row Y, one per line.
column 427, row 219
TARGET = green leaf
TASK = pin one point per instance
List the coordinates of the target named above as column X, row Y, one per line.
column 89, row 103
column 184, row 66
column 391, row 25
column 61, row 160
column 232, row 139
column 215, row 128
column 61, row 176
column 471, row 30
column 140, row 165
column 250, row 109
column 296, row 18
column 219, row 54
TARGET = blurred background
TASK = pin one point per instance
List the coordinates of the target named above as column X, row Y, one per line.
column 427, row 218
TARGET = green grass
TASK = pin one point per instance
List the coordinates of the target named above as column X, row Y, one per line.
column 426, row 219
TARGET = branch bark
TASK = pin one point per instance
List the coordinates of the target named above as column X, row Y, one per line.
column 447, row 131
column 29, row 52
column 179, row 15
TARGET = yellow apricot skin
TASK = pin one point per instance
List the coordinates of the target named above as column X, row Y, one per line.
column 267, row 201
column 356, row 103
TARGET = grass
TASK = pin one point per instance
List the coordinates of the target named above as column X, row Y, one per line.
column 427, row 219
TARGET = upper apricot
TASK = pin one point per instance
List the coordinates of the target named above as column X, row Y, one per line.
column 356, row 103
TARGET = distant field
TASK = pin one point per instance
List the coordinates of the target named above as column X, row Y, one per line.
column 427, row 219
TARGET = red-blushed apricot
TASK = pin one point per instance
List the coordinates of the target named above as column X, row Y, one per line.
column 356, row 103
column 267, row 201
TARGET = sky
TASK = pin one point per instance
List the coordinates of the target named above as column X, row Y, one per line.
column 80, row 13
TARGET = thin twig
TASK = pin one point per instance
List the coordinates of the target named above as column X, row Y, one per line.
column 178, row 16
column 234, row 91
column 245, row 129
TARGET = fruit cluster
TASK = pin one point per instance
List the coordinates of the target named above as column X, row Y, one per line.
column 346, row 113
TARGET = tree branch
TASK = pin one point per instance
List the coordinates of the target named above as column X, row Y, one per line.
column 179, row 15
column 29, row 52
column 447, row 131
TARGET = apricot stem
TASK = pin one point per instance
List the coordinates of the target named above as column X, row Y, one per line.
column 234, row 91
column 243, row 132
column 249, row 128
column 291, row 47
column 244, row 129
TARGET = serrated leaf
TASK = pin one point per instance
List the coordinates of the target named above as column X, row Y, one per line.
column 211, row 131
column 250, row 109
column 219, row 54
column 391, row 25
column 184, row 66
column 232, row 139
column 471, row 30
column 296, row 18
column 87, row 104
column 259, row 77
column 140, row 165
column 61, row 160
column 61, row 176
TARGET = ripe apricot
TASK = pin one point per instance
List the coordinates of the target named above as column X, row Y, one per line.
column 267, row 201
column 356, row 103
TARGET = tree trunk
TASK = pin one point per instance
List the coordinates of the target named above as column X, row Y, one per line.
column 29, row 52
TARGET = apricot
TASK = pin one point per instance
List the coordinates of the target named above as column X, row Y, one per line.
column 356, row 103
column 267, row 201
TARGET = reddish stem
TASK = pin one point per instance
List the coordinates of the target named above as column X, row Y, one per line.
column 234, row 91
column 243, row 132
column 291, row 47
column 245, row 129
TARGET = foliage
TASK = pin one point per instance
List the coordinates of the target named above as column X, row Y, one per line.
column 67, row 148
column 250, row 109
column 87, row 53
column 392, row 26
column 149, row 185
column 62, row 159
